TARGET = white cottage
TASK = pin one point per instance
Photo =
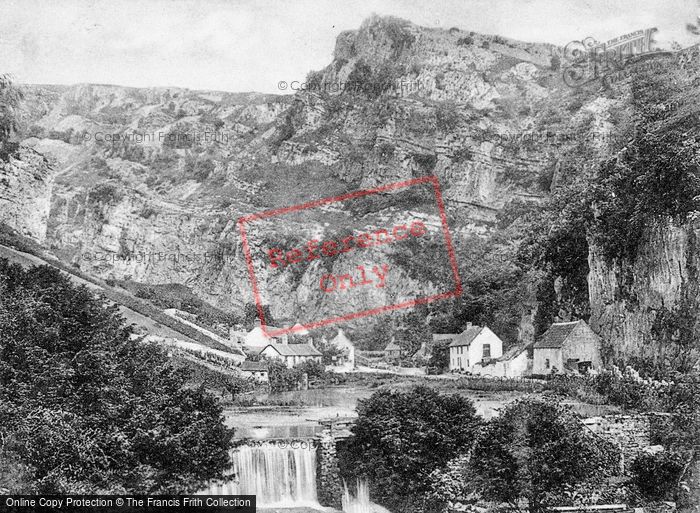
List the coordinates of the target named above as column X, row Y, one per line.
column 346, row 361
column 514, row 363
column 257, row 337
column 474, row 345
column 292, row 354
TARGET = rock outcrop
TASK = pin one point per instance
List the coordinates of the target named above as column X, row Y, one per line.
column 25, row 193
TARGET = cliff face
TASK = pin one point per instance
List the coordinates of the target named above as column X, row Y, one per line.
column 639, row 308
column 147, row 180
column 25, row 193
column 148, row 183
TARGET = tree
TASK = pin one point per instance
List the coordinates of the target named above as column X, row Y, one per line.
column 412, row 330
column 329, row 351
column 281, row 377
column 87, row 409
column 250, row 315
column 440, row 355
column 534, row 450
column 378, row 336
column 401, row 437
column 235, row 385
column 10, row 98
column 312, row 369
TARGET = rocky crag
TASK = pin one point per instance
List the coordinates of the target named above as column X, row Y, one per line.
column 143, row 177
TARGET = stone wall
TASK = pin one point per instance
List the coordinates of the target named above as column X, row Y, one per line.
column 328, row 476
column 630, row 433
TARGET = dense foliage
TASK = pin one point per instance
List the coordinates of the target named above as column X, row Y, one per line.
column 401, row 437
column 536, row 450
column 282, row 378
column 656, row 475
column 10, row 98
column 440, row 355
column 657, row 175
column 651, row 180
column 88, row 410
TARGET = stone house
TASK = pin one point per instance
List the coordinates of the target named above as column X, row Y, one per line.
column 476, row 344
column 292, row 354
column 257, row 337
column 567, row 347
column 514, row 363
column 392, row 350
column 426, row 348
column 255, row 370
column 345, row 361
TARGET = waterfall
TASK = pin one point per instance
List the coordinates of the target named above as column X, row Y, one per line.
column 360, row 503
column 278, row 476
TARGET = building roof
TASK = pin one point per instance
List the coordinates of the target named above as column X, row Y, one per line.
column 467, row 336
column 295, row 349
column 557, row 333
column 252, row 350
column 341, row 340
column 512, row 352
column 444, row 336
column 393, row 346
column 268, row 329
column 253, row 366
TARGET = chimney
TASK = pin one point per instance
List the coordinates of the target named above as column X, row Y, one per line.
column 469, row 325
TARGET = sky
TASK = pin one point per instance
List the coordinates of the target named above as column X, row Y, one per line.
column 249, row 45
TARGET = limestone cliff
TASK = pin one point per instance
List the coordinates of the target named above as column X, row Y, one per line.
column 145, row 175
column 148, row 183
column 25, row 193
column 641, row 308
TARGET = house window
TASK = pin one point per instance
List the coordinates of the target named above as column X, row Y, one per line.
column 546, row 363
column 487, row 350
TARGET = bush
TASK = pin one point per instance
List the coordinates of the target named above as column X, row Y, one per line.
column 465, row 41
column 385, row 151
column 178, row 138
column 426, row 163
column 401, row 437
column 312, row 369
column 440, row 356
column 283, row 378
column 656, row 475
column 105, row 193
column 462, row 155
column 373, row 82
column 535, row 450
column 446, row 116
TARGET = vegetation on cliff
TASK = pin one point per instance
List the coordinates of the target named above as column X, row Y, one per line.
column 653, row 179
column 10, row 98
